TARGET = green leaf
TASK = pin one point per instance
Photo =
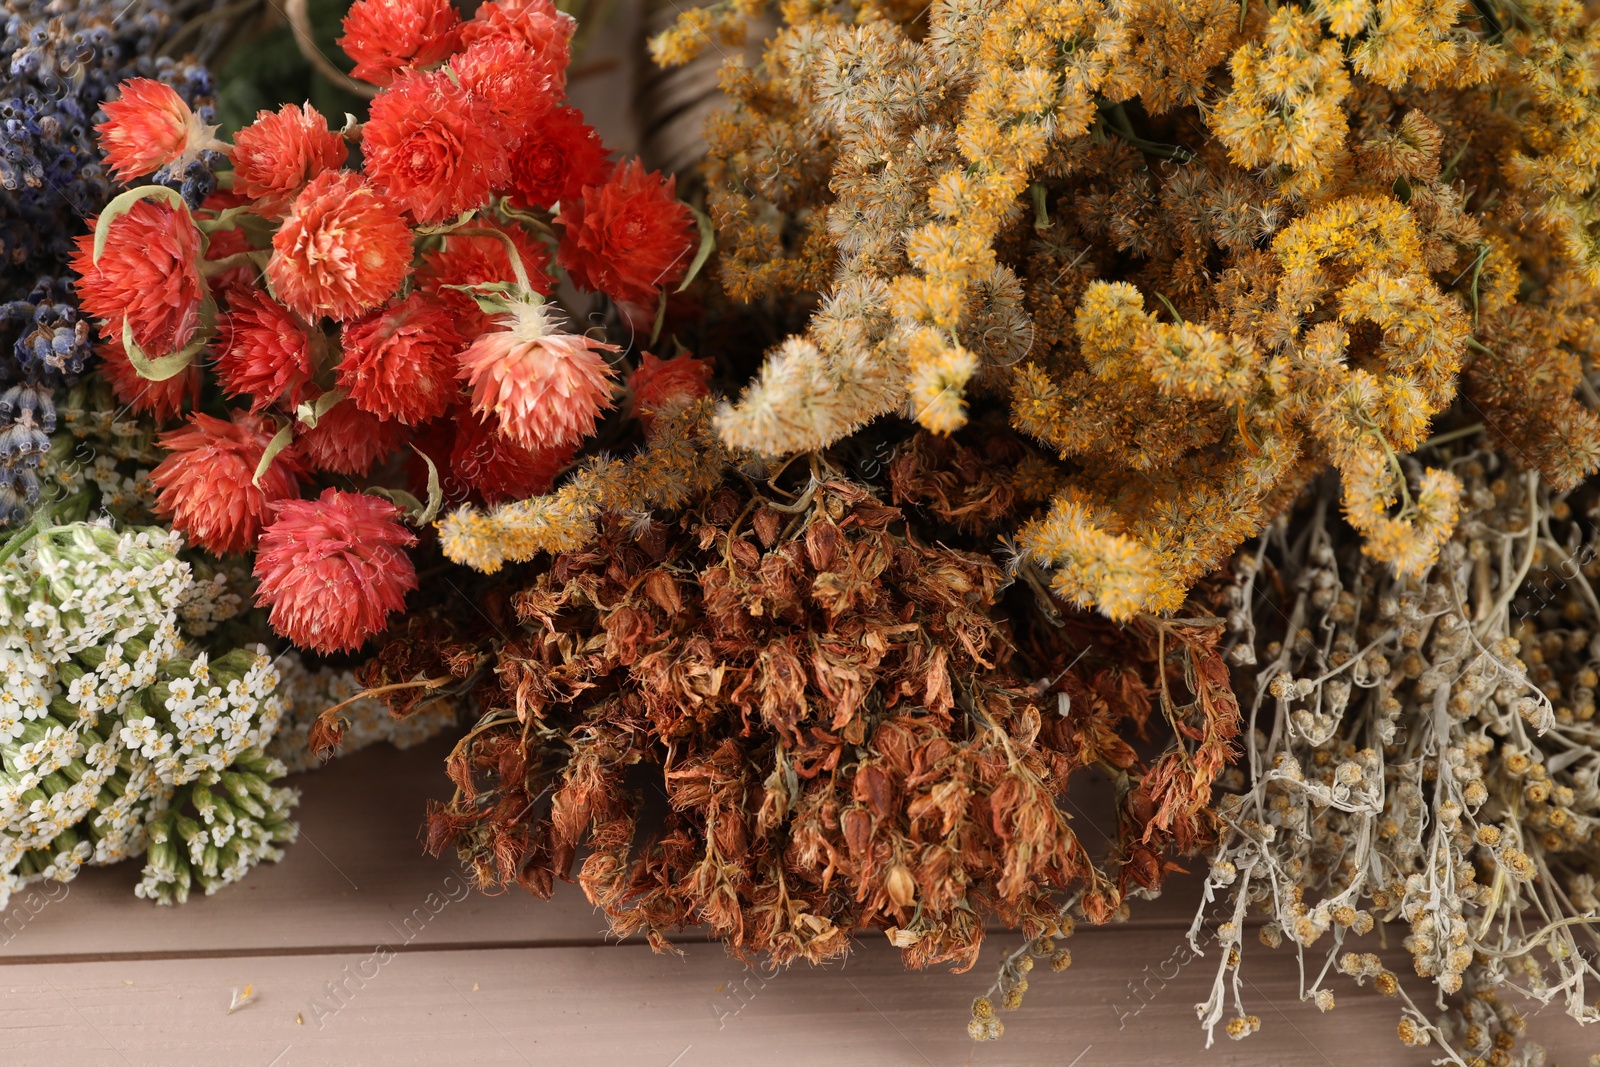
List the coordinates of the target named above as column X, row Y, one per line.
column 226, row 219
column 708, row 242
column 124, row 204
column 489, row 296
column 447, row 227
column 162, row 367
column 279, row 442
column 398, row 497
column 418, row 513
column 310, row 411
column 661, row 317
column 435, row 493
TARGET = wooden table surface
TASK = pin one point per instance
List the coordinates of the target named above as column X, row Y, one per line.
column 362, row 950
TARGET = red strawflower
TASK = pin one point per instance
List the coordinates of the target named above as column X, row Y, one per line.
column 342, row 249
column 627, row 238
column 497, row 468
column 511, row 79
column 277, row 154
column 555, row 159
column 534, row 23
column 433, row 148
column 332, row 569
column 546, row 388
column 265, row 352
column 347, row 440
column 399, row 362
column 221, row 244
column 205, row 481
column 161, row 400
column 387, row 36
column 660, row 384
column 476, row 260
column 149, row 272
column 219, row 201
column 149, row 127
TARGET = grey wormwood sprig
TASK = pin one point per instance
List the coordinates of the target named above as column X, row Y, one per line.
column 116, row 733
column 1422, row 751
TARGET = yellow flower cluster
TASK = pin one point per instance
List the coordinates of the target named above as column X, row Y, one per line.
column 1202, row 251
column 681, row 460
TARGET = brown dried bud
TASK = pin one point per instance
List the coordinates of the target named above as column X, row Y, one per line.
column 662, row 590
column 901, row 887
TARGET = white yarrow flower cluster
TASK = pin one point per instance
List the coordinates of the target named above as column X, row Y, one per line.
column 111, row 728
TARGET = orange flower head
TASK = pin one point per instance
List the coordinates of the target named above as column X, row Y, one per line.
column 518, row 85
column 265, row 352
column 660, row 384
column 399, row 362
column 497, row 468
column 149, row 126
column 546, row 388
column 386, row 37
column 149, row 274
column 347, row 440
column 535, row 24
column 277, row 154
column 433, row 148
column 342, row 250
column 205, row 483
column 629, row 237
column 332, row 569
column 555, row 159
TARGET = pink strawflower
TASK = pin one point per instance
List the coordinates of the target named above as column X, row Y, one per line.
column 546, row 388
column 399, row 362
column 347, row 440
column 205, row 481
column 149, row 272
column 342, row 250
column 264, row 351
column 433, row 148
column 332, row 569
column 277, row 154
column 149, row 127
column 388, row 36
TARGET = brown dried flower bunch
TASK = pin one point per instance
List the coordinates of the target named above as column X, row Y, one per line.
column 1423, row 750
column 790, row 713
